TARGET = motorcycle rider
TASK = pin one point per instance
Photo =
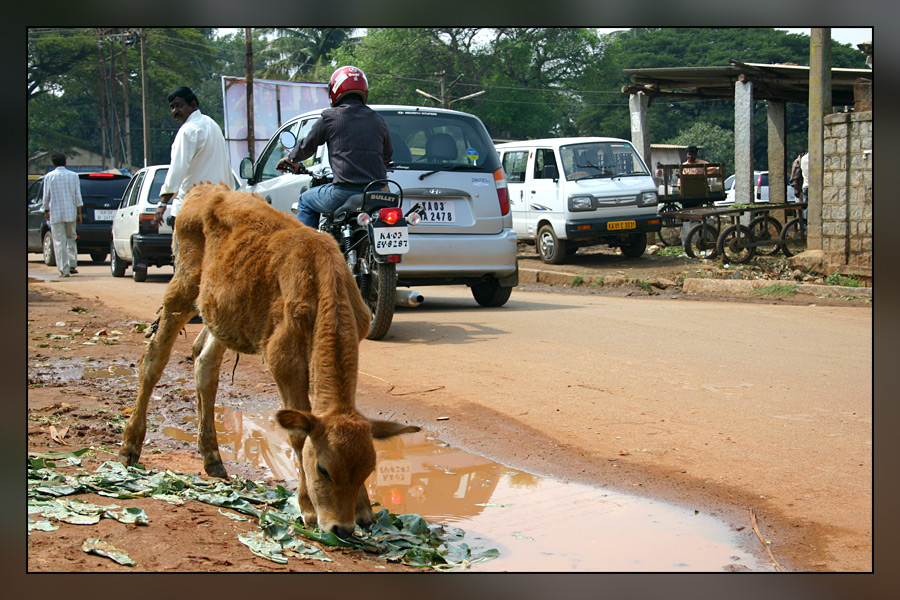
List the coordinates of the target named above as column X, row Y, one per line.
column 359, row 146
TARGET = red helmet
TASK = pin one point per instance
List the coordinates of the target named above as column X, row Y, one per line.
column 347, row 80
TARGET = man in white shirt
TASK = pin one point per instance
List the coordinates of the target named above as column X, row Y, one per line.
column 62, row 208
column 199, row 153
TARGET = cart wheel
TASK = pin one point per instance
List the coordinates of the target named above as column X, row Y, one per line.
column 734, row 249
column 793, row 237
column 765, row 229
column 701, row 242
column 670, row 233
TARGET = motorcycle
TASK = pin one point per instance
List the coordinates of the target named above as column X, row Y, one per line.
column 372, row 231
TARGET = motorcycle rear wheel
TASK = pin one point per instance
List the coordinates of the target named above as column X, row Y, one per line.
column 377, row 289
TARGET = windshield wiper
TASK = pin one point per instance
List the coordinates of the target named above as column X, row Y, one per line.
column 451, row 168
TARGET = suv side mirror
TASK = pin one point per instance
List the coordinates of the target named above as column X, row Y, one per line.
column 550, row 172
column 246, row 168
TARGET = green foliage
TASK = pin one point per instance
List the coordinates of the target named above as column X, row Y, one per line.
column 846, row 280
column 717, row 143
column 776, row 289
column 537, row 82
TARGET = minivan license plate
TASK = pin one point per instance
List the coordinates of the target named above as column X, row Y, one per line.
column 391, row 240
column 104, row 215
column 614, row 225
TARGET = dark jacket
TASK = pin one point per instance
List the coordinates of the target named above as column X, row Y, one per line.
column 359, row 142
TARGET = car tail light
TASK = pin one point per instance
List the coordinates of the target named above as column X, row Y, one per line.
column 104, row 175
column 390, row 215
column 502, row 193
column 146, row 224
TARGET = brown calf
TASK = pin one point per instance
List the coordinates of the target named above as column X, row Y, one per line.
column 266, row 284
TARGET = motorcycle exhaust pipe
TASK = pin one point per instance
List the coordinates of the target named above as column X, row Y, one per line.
column 408, row 298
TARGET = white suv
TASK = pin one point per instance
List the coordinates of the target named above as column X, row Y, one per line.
column 443, row 159
column 136, row 241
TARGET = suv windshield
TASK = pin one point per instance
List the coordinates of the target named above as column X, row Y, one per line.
column 434, row 141
column 600, row 159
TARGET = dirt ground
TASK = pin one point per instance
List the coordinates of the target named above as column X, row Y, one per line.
column 67, row 414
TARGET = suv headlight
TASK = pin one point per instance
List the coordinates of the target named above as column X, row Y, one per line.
column 648, row 198
column 581, row 203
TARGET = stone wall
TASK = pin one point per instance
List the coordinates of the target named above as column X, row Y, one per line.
column 847, row 193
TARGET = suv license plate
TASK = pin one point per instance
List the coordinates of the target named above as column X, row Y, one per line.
column 104, row 215
column 616, row 225
column 391, row 240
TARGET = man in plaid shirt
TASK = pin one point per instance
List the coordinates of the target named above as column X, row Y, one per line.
column 62, row 207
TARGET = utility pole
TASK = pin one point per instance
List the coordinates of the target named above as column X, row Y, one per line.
column 143, row 35
column 102, row 99
column 126, row 115
column 249, row 67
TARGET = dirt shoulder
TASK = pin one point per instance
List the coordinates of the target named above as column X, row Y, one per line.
column 66, row 414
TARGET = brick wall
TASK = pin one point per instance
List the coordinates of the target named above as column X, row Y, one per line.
column 847, row 193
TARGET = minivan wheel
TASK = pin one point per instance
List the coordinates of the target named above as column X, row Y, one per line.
column 550, row 248
column 636, row 245
column 491, row 294
column 49, row 256
column 98, row 256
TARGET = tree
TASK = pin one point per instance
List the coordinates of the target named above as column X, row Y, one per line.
column 294, row 53
column 717, row 143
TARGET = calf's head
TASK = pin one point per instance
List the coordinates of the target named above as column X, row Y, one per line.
column 338, row 455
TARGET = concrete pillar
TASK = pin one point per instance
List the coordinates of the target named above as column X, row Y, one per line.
column 744, row 190
column 640, row 135
column 777, row 165
column 819, row 106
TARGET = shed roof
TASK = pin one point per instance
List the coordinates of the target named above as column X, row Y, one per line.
column 787, row 82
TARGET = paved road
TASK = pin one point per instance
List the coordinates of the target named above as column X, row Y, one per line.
column 748, row 403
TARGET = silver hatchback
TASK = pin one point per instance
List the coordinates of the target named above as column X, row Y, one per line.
column 443, row 159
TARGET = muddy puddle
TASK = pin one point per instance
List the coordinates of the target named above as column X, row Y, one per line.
column 538, row 524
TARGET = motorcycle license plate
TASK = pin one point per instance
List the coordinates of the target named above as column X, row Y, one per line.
column 615, row 225
column 391, row 240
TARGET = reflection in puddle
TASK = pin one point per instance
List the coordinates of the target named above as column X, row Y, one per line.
column 537, row 524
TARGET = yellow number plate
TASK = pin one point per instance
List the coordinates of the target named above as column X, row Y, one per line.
column 614, row 225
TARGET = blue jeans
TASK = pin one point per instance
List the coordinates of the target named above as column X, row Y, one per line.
column 323, row 199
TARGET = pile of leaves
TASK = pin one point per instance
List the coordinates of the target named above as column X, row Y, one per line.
column 408, row 539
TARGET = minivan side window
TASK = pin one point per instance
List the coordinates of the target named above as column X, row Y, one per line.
column 545, row 164
column 515, row 164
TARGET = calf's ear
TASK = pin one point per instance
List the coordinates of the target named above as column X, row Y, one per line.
column 297, row 421
column 386, row 429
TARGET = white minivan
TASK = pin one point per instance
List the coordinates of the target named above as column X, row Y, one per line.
column 566, row 193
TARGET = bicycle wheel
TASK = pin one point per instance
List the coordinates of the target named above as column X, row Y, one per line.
column 701, row 242
column 767, row 233
column 670, row 233
column 793, row 237
column 736, row 249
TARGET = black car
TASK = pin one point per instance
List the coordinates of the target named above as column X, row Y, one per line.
column 100, row 194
